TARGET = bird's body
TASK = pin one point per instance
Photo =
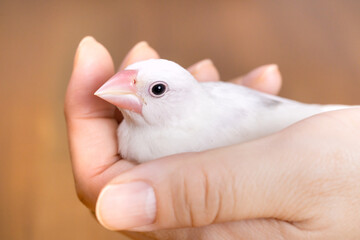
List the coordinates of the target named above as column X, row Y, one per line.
column 199, row 116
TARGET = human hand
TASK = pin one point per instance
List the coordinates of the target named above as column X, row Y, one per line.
column 92, row 122
column 300, row 183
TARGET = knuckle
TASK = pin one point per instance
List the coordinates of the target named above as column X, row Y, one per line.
column 198, row 198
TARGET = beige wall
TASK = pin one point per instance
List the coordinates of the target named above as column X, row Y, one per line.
column 315, row 43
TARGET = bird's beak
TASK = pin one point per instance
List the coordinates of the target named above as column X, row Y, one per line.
column 120, row 90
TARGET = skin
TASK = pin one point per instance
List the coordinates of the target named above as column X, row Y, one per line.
column 300, row 183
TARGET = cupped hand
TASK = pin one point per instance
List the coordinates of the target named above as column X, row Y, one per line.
column 300, row 183
column 92, row 122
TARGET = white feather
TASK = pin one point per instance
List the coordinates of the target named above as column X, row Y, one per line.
column 195, row 116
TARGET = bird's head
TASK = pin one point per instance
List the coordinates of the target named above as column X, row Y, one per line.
column 151, row 91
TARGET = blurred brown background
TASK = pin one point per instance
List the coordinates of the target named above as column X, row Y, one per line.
column 315, row 43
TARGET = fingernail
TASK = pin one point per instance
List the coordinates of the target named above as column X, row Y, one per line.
column 206, row 63
column 126, row 205
column 140, row 46
column 140, row 49
column 258, row 75
column 205, row 70
column 86, row 40
column 271, row 71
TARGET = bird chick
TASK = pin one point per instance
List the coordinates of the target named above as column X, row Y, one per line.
column 166, row 111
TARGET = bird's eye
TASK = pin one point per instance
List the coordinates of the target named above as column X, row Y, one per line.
column 158, row 89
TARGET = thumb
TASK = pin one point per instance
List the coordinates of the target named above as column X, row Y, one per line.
column 197, row 189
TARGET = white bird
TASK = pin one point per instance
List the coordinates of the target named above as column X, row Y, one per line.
column 166, row 111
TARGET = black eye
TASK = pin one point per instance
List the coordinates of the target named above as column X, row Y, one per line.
column 158, row 89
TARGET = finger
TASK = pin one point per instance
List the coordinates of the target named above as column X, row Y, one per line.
column 204, row 71
column 221, row 185
column 90, row 121
column 140, row 52
column 92, row 67
column 264, row 79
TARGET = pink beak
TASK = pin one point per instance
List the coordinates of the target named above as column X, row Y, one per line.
column 120, row 90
